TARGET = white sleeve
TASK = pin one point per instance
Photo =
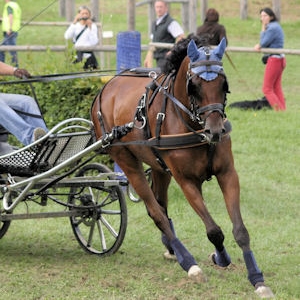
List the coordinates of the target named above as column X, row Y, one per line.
column 175, row 29
column 70, row 32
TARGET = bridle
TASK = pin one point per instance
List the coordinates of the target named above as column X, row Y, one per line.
column 211, row 108
column 196, row 113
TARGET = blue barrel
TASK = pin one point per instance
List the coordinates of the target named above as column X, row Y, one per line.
column 128, row 50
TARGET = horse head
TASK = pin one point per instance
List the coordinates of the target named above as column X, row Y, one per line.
column 207, row 87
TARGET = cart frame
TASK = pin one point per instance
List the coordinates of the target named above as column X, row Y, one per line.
column 62, row 160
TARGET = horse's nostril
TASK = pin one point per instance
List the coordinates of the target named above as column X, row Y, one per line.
column 216, row 138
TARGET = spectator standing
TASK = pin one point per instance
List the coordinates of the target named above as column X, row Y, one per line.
column 164, row 30
column 272, row 36
column 211, row 31
column 20, row 114
column 83, row 31
column 11, row 23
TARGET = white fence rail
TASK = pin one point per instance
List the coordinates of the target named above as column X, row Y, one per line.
column 105, row 59
column 108, row 35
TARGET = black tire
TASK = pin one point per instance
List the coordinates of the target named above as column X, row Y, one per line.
column 101, row 231
column 4, row 225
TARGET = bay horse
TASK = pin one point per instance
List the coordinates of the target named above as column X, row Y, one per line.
column 178, row 128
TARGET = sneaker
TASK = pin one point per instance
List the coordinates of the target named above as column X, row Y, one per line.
column 38, row 133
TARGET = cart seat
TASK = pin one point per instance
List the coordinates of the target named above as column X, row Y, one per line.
column 46, row 153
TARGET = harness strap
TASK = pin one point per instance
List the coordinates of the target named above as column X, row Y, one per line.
column 205, row 63
column 176, row 141
column 179, row 104
column 161, row 161
column 211, row 107
column 210, row 155
column 160, row 118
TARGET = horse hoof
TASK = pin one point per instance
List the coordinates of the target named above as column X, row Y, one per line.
column 196, row 274
column 212, row 256
column 169, row 256
column 264, row 292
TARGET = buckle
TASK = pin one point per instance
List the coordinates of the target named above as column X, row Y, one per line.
column 160, row 116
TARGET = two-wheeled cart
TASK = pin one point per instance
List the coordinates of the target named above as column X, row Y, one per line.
column 59, row 168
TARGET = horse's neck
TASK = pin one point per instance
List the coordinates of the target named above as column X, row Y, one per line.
column 179, row 85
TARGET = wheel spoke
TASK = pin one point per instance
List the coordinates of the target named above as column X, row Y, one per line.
column 108, row 226
column 102, row 236
column 91, row 234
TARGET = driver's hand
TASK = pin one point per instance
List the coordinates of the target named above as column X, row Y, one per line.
column 21, row 73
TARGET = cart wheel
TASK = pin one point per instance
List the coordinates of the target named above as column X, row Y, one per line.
column 4, row 225
column 131, row 193
column 101, row 229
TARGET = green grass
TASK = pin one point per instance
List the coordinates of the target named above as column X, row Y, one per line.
column 40, row 259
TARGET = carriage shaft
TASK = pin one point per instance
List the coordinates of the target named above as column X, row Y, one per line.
column 85, row 181
column 44, row 215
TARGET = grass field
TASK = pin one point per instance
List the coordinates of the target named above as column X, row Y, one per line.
column 40, row 259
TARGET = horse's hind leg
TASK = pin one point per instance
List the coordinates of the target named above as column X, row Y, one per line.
column 229, row 184
column 159, row 183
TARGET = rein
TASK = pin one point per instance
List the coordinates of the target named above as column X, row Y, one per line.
column 56, row 77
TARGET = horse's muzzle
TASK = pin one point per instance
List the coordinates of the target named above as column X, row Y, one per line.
column 213, row 138
column 214, row 128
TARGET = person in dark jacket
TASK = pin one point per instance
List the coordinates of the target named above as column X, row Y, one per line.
column 211, row 30
column 164, row 30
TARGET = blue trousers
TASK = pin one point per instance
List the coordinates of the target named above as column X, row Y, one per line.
column 18, row 124
column 10, row 40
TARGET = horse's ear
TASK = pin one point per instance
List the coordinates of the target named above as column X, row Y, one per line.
column 192, row 51
column 220, row 49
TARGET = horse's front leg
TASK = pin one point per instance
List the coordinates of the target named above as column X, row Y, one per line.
column 229, row 184
column 156, row 205
column 193, row 193
column 175, row 249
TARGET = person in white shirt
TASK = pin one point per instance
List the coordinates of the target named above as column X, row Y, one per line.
column 83, row 31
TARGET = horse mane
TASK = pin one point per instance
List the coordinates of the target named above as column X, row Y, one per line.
column 179, row 51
